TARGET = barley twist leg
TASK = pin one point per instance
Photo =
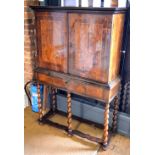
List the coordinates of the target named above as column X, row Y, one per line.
column 53, row 100
column 39, row 102
column 114, row 123
column 45, row 96
column 106, row 125
column 69, row 112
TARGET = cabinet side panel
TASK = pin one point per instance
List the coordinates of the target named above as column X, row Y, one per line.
column 116, row 44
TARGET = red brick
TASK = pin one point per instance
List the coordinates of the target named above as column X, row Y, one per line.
column 28, row 60
column 28, row 3
column 30, row 27
column 31, row 44
column 29, row 53
column 29, row 39
column 29, row 15
column 28, row 67
column 28, row 76
column 29, row 32
column 27, row 9
column 28, row 48
column 28, row 21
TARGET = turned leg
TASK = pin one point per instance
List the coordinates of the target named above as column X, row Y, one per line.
column 39, row 102
column 114, row 123
column 69, row 112
column 53, row 99
column 45, row 96
column 106, row 125
column 125, row 97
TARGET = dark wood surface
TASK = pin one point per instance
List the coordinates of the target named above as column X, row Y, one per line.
column 82, row 46
column 93, row 47
column 89, row 45
column 80, row 87
column 52, row 40
column 79, row 9
column 116, row 44
column 79, row 51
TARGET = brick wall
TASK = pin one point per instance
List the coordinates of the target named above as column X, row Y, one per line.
column 29, row 39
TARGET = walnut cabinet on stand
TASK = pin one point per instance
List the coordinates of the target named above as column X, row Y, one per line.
column 78, row 50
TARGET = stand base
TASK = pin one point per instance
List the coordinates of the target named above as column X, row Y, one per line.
column 45, row 120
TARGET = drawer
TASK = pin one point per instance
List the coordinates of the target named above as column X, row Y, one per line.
column 55, row 81
column 88, row 90
column 96, row 91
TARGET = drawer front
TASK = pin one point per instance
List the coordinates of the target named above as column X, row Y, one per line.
column 75, row 86
column 80, row 87
column 88, row 90
column 89, row 45
column 55, row 81
column 52, row 40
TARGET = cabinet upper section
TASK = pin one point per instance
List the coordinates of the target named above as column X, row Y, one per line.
column 82, row 42
column 111, row 10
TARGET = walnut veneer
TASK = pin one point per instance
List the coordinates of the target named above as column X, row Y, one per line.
column 78, row 50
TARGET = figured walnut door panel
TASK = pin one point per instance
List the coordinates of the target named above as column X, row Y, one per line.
column 89, row 45
column 52, row 40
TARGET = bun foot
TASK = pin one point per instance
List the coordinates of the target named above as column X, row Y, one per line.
column 104, row 147
column 70, row 133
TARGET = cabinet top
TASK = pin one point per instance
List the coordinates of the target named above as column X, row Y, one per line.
column 110, row 10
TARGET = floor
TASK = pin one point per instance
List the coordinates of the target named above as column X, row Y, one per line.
column 47, row 140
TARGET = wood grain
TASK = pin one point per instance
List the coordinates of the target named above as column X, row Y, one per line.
column 45, row 97
column 52, row 40
column 82, row 88
column 89, row 45
column 84, row 45
column 116, row 43
column 115, row 114
column 106, row 124
column 39, row 102
column 54, row 99
column 88, row 90
column 115, row 88
column 69, row 113
column 55, row 81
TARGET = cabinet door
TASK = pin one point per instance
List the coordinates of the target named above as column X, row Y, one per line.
column 52, row 40
column 89, row 45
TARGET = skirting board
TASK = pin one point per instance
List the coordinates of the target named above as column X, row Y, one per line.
column 94, row 113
